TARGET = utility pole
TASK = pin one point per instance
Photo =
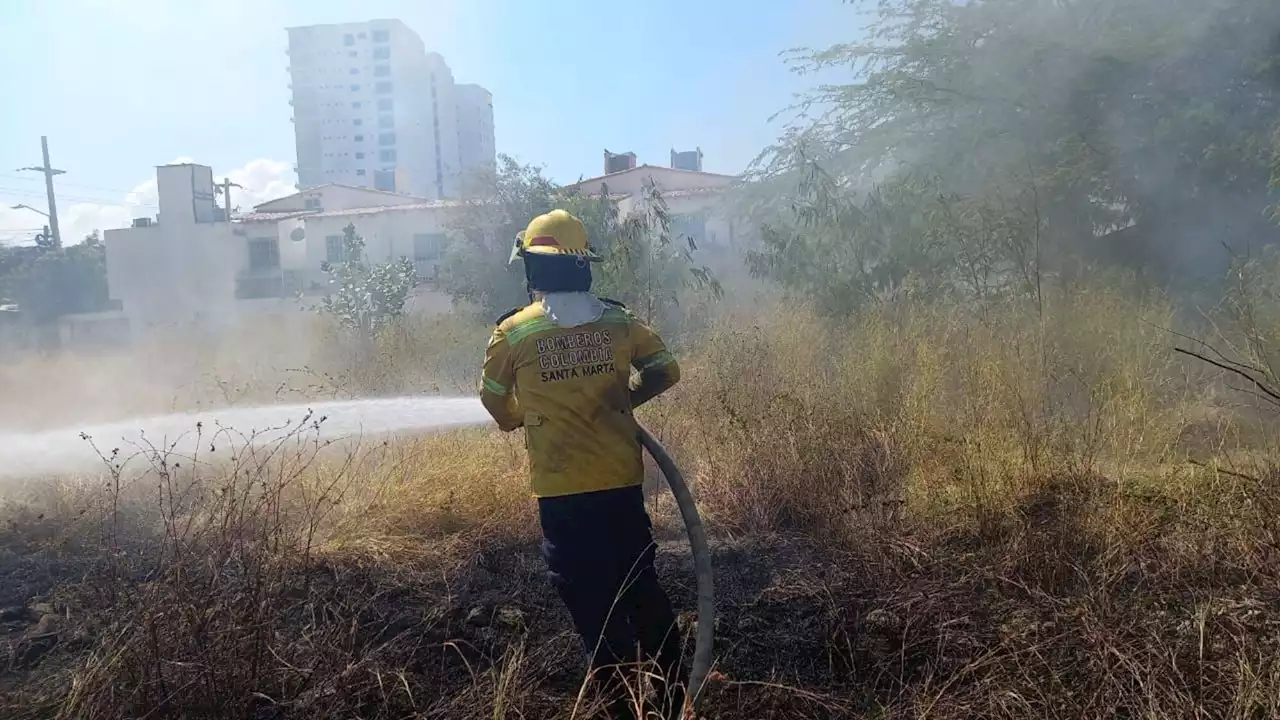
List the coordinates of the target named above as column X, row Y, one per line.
column 49, row 172
column 224, row 187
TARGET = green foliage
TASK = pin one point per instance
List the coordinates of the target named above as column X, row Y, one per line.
column 365, row 297
column 49, row 281
column 1028, row 136
column 841, row 248
column 474, row 266
column 644, row 265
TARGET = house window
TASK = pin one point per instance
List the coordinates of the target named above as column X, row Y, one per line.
column 427, row 247
column 313, row 203
column 381, row 36
column 386, row 156
column 381, row 70
column 264, row 254
column 385, row 104
column 689, row 227
column 357, row 121
column 348, row 39
column 359, row 156
column 387, row 139
column 383, row 88
column 353, row 53
column 386, row 121
column 356, row 104
column 355, row 88
column 360, row 173
column 359, row 138
column 354, row 71
column 334, row 251
column 385, row 180
column 381, row 53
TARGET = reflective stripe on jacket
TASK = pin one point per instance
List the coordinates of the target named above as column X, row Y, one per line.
column 569, row 387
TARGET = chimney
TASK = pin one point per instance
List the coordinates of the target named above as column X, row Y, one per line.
column 618, row 162
column 688, row 160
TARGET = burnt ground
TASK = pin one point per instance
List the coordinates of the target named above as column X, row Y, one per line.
column 956, row 627
column 451, row 637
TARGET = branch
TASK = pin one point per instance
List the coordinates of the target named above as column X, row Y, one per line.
column 1223, row 471
column 1235, row 365
column 1262, row 387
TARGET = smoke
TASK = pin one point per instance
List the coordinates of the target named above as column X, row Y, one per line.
column 1152, row 115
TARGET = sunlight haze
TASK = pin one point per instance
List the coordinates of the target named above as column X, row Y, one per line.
column 120, row 87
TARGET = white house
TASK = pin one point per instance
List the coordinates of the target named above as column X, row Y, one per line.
column 285, row 252
column 193, row 267
column 336, row 196
column 695, row 199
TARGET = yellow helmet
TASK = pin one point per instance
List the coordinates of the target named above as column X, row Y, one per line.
column 554, row 233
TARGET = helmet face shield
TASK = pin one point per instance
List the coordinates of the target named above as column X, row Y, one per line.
column 516, row 247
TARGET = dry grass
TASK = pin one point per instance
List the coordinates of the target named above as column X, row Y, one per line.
column 920, row 512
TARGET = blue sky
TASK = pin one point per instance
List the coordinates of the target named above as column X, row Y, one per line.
column 120, row 86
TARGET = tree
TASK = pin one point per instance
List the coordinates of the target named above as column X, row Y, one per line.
column 49, row 281
column 1137, row 133
column 644, row 266
column 474, row 266
column 365, row 297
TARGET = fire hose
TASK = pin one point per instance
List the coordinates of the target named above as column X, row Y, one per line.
column 701, row 563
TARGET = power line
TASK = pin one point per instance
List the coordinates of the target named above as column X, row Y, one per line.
column 74, row 198
column 75, row 185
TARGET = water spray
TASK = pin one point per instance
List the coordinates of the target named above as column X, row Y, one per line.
column 701, row 563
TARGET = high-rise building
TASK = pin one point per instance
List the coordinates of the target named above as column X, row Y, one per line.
column 475, row 129
column 372, row 108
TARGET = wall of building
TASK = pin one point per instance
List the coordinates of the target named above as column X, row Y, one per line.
column 373, row 108
column 180, row 273
column 476, row 144
column 200, row 275
column 339, row 73
column 441, row 123
column 631, row 181
column 335, row 197
column 93, row 330
column 173, row 274
column 706, row 216
column 186, row 193
column 181, row 270
column 388, row 235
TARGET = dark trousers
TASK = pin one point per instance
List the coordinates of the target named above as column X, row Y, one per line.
column 599, row 552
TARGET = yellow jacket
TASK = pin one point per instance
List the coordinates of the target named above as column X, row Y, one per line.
column 570, row 389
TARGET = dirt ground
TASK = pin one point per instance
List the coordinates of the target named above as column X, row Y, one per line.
column 449, row 634
column 1033, row 623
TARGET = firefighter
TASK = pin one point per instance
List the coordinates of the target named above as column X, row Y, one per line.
column 561, row 369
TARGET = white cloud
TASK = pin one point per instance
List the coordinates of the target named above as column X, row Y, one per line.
column 262, row 180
